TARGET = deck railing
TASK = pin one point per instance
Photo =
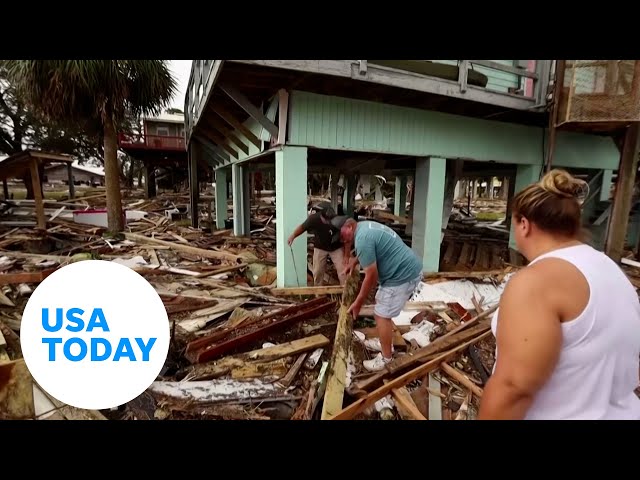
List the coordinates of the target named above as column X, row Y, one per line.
column 516, row 84
column 152, row 142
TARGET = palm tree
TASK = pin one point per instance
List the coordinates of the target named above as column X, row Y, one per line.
column 96, row 95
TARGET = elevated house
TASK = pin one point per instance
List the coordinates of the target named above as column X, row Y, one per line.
column 435, row 120
column 160, row 146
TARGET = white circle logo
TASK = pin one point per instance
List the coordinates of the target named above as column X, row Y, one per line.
column 95, row 334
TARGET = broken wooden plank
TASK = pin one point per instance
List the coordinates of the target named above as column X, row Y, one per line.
column 4, row 300
column 362, row 403
column 16, row 391
column 265, row 370
column 185, row 248
column 259, row 329
column 202, row 317
column 461, row 378
column 435, row 400
column 224, row 365
column 293, row 371
column 336, row 380
column 218, row 271
column 25, row 277
column 405, row 404
column 460, row 334
column 12, row 339
column 69, row 412
column 323, row 290
column 217, row 391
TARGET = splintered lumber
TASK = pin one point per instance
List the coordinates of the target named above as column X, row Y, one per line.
column 11, row 338
column 460, row 377
column 323, row 290
column 337, row 376
column 285, row 381
column 405, row 404
column 364, row 402
column 276, row 368
column 179, row 247
column 25, row 277
column 225, row 365
column 71, row 413
column 218, row 391
column 206, row 349
column 447, row 341
column 16, row 391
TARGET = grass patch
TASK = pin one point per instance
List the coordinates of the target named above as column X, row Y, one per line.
column 58, row 195
column 488, row 216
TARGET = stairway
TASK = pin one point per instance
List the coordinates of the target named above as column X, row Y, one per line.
column 596, row 213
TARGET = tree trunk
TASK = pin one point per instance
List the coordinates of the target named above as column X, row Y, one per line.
column 112, row 179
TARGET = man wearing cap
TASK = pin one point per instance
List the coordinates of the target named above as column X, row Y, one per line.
column 325, row 226
column 391, row 265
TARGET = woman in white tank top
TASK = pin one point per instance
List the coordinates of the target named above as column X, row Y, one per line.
column 568, row 327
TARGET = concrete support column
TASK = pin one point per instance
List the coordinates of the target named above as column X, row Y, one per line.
column 72, row 186
column 349, row 195
column 453, row 172
column 194, row 186
column 605, row 190
column 365, row 180
column 428, row 200
column 291, row 211
column 525, row 176
column 241, row 200
column 335, row 176
column 400, row 199
column 221, row 196
column 150, row 180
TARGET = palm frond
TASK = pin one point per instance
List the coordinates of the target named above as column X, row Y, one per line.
column 90, row 91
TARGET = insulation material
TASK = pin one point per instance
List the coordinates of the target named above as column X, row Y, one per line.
column 454, row 291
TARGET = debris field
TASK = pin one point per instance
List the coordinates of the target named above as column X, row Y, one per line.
column 242, row 348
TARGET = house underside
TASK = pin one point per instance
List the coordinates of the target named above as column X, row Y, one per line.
column 352, row 119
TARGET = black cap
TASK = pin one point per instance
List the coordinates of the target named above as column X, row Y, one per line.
column 325, row 209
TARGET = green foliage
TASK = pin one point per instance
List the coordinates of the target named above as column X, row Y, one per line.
column 89, row 93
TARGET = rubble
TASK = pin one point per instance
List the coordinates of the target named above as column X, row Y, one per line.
column 243, row 349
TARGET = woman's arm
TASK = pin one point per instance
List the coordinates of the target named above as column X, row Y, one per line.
column 529, row 340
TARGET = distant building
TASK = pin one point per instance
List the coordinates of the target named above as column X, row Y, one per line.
column 82, row 175
column 161, row 146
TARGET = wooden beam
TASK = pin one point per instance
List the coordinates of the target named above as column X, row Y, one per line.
column 244, row 103
column 184, row 248
column 37, row 194
column 323, row 290
column 283, row 112
column 231, row 120
column 218, row 139
column 219, row 125
column 461, row 334
column 617, row 231
column 461, row 378
column 334, row 394
column 260, row 356
column 406, row 406
column 359, row 405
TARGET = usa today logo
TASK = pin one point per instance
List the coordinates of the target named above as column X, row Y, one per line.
column 95, row 334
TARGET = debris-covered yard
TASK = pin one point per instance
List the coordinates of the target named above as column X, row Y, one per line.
column 241, row 348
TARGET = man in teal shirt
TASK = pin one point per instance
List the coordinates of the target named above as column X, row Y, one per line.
column 390, row 263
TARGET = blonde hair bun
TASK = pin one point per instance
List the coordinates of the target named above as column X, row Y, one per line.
column 562, row 183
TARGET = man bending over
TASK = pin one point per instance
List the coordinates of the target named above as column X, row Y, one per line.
column 390, row 263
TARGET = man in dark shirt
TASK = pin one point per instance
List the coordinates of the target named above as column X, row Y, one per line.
column 325, row 227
